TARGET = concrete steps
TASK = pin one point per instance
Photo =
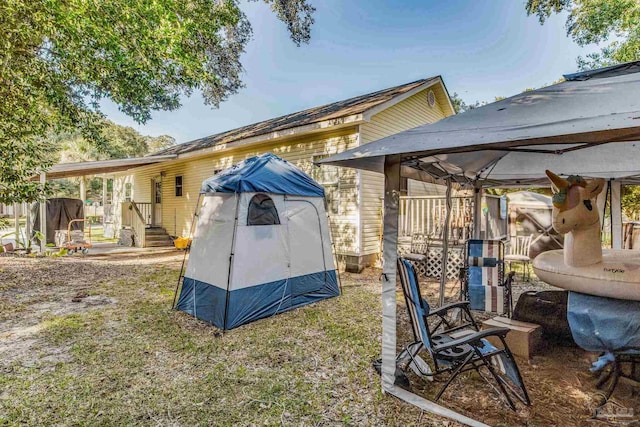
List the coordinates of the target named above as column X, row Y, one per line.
column 156, row 237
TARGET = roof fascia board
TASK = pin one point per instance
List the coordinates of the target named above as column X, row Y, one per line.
column 397, row 99
column 79, row 166
column 449, row 102
column 324, row 126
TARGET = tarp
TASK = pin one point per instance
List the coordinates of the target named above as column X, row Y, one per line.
column 60, row 211
column 604, row 324
column 601, row 107
column 266, row 173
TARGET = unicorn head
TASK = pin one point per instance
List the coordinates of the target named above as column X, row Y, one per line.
column 574, row 202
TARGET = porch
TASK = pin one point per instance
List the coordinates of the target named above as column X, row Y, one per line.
column 423, row 217
column 139, row 226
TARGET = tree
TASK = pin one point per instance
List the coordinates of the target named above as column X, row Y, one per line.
column 58, row 59
column 460, row 106
column 118, row 142
column 596, row 21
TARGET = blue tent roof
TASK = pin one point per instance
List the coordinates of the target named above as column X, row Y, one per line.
column 266, row 173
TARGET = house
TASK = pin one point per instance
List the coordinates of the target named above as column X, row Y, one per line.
column 164, row 187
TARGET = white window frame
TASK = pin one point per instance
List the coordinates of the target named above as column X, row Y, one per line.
column 319, row 175
column 176, row 186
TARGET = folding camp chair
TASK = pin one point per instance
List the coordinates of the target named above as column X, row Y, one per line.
column 454, row 349
column 418, row 252
column 484, row 283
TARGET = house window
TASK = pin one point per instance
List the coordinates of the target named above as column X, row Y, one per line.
column 262, row 211
column 179, row 186
column 329, row 178
column 127, row 192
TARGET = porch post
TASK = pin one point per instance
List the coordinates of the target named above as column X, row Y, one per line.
column 390, row 248
column 104, row 190
column 616, row 215
column 16, row 222
column 43, row 215
column 83, row 189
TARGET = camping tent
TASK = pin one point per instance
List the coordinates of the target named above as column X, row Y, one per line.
column 261, row 246
column 560, row 125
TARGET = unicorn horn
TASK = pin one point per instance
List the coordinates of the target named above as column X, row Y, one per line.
column 560, row 183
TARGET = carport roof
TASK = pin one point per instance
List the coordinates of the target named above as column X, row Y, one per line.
column 66, row 170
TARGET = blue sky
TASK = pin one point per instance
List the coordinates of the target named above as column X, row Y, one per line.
column 482, row 48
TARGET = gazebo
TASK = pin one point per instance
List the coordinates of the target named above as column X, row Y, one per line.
column 589, row 125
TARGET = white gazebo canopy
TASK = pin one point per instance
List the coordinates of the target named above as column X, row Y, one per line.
column 587, row 125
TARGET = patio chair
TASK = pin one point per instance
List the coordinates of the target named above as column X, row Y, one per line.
column 454, row 349
column 418, row 252
column 483, row 280
column 519, row 253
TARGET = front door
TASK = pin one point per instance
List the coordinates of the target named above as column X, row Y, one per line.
column 156, row 202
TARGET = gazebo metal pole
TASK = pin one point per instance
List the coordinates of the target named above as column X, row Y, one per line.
column 390, row 251
column 445, row 243
column 477, row 210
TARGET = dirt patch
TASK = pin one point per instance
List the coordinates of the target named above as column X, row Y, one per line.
column 34, row 290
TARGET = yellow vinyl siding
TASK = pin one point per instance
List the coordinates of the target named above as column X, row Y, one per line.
column 177, row 212
column 413, row 111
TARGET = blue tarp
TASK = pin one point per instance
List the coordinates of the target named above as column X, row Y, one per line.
column 604, row 324
column 266, row 173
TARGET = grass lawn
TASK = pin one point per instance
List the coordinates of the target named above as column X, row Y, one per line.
column 93, row 342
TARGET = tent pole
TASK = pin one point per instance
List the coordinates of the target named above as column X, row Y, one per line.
column 187, row 250
column 390, row 251
column 445, row 243
column 231, row 255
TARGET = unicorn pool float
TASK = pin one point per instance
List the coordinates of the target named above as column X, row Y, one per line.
column 583, row 266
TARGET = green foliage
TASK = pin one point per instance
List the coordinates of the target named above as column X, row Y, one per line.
column 630, row 200
column 118, row 142
column 460, row 106
column 58, row 59
column 596, row 21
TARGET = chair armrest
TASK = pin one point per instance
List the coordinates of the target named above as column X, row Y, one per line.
column 492, row 332
column 445, row 308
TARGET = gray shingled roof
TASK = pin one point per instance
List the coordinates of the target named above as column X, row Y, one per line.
column 336, row 110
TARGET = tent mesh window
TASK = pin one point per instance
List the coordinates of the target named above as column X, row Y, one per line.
column 262, row 211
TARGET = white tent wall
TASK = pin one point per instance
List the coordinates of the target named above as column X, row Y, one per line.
column 213, row 237
column 310, row 248
column 204, row 288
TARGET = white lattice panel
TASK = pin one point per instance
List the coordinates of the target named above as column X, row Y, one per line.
column 433, row 266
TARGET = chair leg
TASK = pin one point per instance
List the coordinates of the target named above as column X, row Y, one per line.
column 453, row 375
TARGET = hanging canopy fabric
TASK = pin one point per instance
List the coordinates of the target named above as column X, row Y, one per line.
column 506, row 142
column 266, row 173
